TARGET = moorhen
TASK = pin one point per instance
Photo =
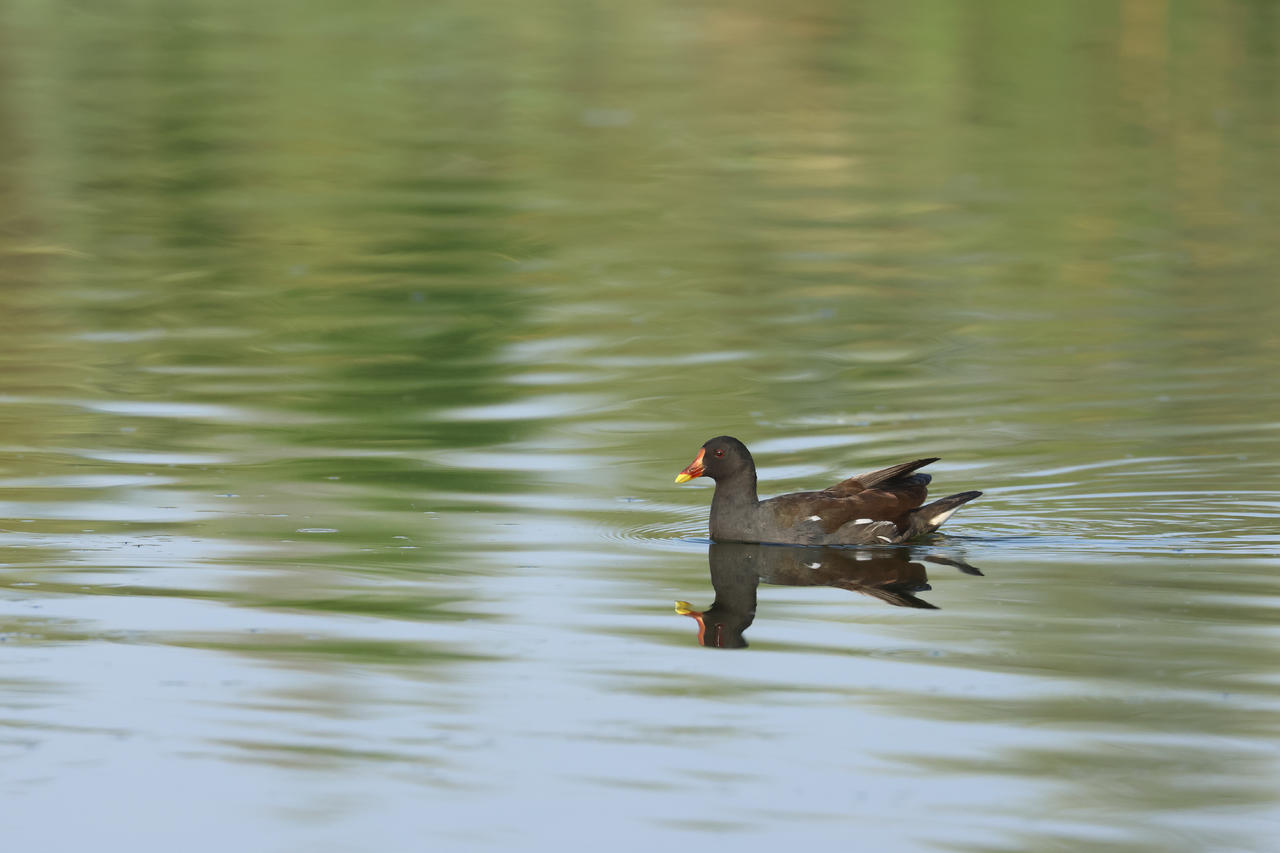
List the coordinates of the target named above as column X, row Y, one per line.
column 881, row 507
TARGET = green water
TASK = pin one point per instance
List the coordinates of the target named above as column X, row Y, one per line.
column 348, row 352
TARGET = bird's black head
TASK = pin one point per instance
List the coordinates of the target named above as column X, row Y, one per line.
column 720, row 458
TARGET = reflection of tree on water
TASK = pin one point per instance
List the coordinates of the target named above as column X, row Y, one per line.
column 738, row 568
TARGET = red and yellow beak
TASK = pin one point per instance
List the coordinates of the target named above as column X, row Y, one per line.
column 695, row 468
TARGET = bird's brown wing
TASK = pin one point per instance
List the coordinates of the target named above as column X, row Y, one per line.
column 885, row 476
column 832, row 511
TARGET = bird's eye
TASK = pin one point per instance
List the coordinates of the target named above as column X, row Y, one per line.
column 720, row 452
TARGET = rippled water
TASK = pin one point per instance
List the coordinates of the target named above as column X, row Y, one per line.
column 348, row 356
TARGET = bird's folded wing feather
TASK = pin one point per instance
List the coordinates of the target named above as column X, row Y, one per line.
column 871, row 479
column 832, row 512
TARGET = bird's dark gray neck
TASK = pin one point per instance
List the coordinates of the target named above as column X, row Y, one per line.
column 740, row 489
column 733, row 506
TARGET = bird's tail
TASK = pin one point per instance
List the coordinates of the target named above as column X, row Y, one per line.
column 930, row 517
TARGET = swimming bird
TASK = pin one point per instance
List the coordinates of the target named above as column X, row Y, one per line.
column 877, row 508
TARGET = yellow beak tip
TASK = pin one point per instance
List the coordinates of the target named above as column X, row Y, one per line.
column 683, row 477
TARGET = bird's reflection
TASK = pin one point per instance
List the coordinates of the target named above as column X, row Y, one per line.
column 888, row 574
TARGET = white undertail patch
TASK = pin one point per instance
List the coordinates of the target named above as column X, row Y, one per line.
column 814, row 518
column 942, row 516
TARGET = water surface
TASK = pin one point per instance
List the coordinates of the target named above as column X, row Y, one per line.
column 348, row 356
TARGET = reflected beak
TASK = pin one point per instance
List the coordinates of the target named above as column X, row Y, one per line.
column 695, row 468
column 686, row 609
